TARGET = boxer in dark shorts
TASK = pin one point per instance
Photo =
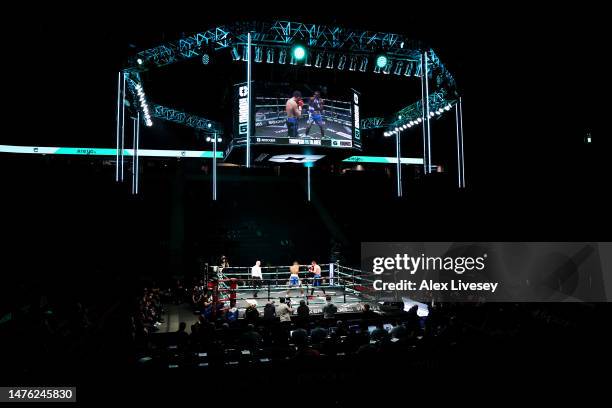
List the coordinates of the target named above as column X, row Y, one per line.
column 315, row 113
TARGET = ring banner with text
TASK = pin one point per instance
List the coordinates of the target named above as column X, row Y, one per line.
column 488, row 271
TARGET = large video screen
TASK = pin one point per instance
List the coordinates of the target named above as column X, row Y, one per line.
column 305, row 115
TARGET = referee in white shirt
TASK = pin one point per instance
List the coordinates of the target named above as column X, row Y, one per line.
column 256, row 277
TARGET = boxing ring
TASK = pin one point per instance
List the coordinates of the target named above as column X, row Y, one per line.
column 348, row 288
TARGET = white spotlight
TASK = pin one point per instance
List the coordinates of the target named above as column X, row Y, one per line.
column 219, row 140
column 208, row 138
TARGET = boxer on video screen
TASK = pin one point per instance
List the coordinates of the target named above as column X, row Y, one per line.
column 315, row 112
column 294, row 111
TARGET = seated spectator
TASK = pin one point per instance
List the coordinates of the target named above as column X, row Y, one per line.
column 379, row 334
column 251, row 314
column 225, row 334
column 194, row 337
column 208, row 333
column 318, row 334
column 399, row 332
column 367, row 312
column 329, row 310
column 181, row 334
column 299, row 337
column 412, row 321
column 283, row 311
column 251, row 339
column 208, row 312
column 269, row 311
column 178, row 293
column 232, row 315
column 341, row 329
column 303, row 313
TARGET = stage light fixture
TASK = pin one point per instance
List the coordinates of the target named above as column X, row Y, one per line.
column 245, row 52
column 208, row 138
column 209, row 125
column 418, row 69
column 258, row 54
column 408, row 70
column 399, row 117
column 448, row 107
column 342, row 62
column 143, row 105
column 396, row 129
column 270, row 56
column 364, row 64
column 219, row 140
column 419, row 120
column 398, row 67
column 330, row 61
column 353, row 63
column 205, row 59
column 319, row 61
column 139, row 61
column 235, row 54
column 387, row 68
column 381, row 61
column 299, row 52
column 282, row 56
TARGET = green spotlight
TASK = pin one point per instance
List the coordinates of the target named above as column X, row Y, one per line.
column 381, row 61
column 299, row 52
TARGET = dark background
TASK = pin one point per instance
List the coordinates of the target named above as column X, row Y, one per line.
column 532, row 82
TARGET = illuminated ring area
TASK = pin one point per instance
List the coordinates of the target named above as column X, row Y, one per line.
column 348, row 288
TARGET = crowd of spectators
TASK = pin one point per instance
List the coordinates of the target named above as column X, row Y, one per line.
column 148, row 316
column 283, row 330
